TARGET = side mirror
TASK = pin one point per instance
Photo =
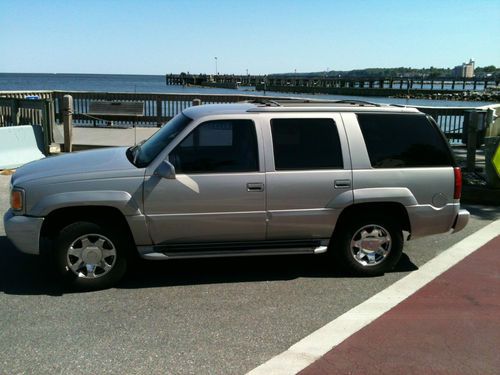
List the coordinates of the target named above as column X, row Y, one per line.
column 165, row 170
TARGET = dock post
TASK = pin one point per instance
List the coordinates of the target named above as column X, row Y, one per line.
column 472, row 127
column 491, row 145
column 68, row 122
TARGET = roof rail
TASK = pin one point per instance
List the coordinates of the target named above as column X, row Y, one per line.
column 266, row 102
column 298, row 102
column 357, row 102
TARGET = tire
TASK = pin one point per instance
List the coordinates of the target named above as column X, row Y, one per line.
column 91, row 256
column 369, row 245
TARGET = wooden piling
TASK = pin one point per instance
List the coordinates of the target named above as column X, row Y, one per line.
column 68, row 122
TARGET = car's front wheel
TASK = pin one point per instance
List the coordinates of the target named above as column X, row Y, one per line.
column 90, row 256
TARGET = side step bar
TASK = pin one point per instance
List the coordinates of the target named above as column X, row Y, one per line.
column 173, row 252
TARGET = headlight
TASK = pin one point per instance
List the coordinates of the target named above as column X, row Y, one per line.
column 17, row 199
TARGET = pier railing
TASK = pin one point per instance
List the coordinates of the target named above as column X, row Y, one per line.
column 25, row 111
column 451, row 120
column 159, row 108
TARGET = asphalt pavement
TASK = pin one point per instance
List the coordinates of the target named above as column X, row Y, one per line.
column 216, row 316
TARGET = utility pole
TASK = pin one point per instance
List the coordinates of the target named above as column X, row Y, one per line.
column 216, row 69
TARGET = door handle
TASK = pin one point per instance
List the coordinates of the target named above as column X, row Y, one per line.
column 255, row 186
column 342, row 184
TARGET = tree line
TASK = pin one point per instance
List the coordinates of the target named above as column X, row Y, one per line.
column 401, row 72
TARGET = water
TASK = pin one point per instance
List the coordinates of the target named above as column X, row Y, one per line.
column 156, row 84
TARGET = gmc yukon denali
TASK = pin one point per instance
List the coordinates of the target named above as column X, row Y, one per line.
column 350, row 179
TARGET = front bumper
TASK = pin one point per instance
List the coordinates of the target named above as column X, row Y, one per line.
column 461, row 220
column 23, row 231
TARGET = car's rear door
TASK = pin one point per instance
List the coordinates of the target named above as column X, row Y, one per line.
column 308, row 174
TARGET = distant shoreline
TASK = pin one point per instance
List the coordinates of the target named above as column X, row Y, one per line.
column 156, row 84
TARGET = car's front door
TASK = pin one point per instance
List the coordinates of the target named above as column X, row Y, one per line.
column 218, row 194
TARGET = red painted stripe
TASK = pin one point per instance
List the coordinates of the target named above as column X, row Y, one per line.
column 450, row 326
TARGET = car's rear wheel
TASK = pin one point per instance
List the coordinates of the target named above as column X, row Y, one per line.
column 90, row 256
column 370, row 245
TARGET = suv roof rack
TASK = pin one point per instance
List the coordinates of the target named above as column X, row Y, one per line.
column 299, row 102
column 358, row 102
column 263, row 101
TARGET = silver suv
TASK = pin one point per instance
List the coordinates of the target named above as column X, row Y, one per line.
column 351, row 179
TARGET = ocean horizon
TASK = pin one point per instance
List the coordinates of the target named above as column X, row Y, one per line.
column 143, row 83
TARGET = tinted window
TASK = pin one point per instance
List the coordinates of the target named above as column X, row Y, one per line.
column 218, row 147
column 306, row 144
column 395, row 141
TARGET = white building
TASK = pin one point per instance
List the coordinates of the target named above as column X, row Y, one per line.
column 466, row 70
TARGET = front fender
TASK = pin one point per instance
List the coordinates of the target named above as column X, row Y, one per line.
column 121, row 200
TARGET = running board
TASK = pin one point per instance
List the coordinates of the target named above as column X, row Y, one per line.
column 173, row 252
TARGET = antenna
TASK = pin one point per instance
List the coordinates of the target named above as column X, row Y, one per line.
column 135, row 121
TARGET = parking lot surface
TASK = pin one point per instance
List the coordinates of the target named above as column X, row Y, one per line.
column 216, row 316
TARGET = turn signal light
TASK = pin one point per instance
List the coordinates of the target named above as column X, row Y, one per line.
column 16, row 200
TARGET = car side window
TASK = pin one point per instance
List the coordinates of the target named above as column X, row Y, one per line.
column 403, row 141
column 220, row 146
column 306, row 143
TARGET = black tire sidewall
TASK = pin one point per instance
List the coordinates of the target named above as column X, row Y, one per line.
column 343, row 245
column 77, row 229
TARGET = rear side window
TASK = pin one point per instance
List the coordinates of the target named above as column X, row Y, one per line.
column 306, row 144
column 399, row 141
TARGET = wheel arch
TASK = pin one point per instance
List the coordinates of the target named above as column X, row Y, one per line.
column 61, row 217
column 394, row 210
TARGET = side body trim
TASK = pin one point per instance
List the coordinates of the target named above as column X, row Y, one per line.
column 118, row 199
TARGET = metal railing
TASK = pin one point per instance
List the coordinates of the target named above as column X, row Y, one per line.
column 39, row 112
column 451, row 120
column 159, row 108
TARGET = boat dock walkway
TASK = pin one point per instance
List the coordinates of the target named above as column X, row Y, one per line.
column 88, row 138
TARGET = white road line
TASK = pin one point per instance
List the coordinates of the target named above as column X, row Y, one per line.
column 318, row 343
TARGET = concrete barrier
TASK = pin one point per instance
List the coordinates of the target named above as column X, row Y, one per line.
column 20, row 145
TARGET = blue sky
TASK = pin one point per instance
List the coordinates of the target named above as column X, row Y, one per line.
column 158, row 37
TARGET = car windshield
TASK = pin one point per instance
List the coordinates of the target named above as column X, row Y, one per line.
column 142, row 154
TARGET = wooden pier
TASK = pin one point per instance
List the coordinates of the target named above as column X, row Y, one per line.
column 388, row 86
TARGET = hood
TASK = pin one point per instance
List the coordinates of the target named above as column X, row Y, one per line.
column 78, row 163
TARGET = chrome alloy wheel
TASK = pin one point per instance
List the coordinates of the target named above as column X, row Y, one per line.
column 370, row 245
column 91, row 256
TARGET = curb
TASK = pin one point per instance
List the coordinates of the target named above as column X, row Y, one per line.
column 314, row 346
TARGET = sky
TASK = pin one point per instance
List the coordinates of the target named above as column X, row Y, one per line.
column 263, row 37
